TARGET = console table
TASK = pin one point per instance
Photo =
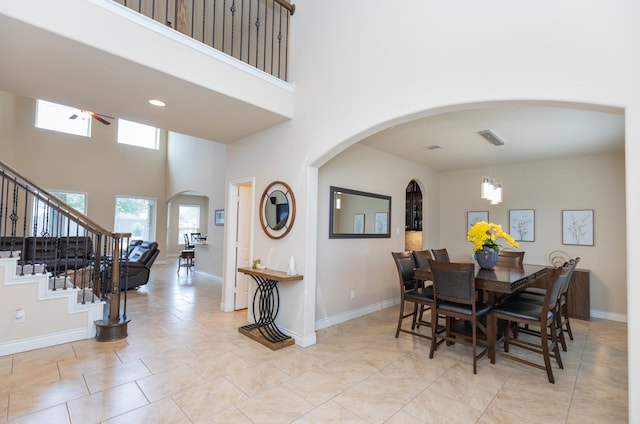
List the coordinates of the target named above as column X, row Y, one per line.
column 265, row 330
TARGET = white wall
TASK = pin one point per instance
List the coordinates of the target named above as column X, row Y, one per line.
column 198, row 166
column 365, row 266
column 431, row 56
column 586, row 182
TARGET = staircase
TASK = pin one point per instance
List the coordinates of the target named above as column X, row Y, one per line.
column 40, row 310
column 59, row 271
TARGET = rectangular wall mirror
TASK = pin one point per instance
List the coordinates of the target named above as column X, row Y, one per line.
column 357, row 214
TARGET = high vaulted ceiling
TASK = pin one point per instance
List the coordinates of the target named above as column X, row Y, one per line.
column 39, row 64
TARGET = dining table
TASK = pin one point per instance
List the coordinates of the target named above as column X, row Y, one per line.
column 496, row 284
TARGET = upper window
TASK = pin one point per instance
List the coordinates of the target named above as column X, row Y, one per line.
column 66, row 119
column 137, row 216
column 138, row 134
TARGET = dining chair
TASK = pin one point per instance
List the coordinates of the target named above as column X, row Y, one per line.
column 421, row 259
column 455, row 298
column 519, row 310
column 187, row 243
column 412, row 291
column 441, row 255
column 536, row 294
column 510, row 258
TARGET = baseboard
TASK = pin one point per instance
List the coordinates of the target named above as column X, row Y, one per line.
column 611, row 316
column 303, row 341
column 356, row 313
column 48, row 340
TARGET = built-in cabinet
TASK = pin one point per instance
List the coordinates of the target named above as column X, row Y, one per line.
column 413, row 220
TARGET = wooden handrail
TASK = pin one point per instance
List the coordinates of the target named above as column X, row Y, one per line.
column 68, row 211
column 290, row 7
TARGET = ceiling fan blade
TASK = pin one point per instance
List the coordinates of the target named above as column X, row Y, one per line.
column 99, row 118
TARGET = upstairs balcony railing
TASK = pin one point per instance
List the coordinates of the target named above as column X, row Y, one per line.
column 253, row 31
column 49, row 237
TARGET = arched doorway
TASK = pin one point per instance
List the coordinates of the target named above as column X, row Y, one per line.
column 413, row 217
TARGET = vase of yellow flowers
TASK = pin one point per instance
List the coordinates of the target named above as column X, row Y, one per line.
column 484, row 236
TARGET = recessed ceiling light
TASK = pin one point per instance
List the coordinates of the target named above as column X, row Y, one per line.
column 157, row 102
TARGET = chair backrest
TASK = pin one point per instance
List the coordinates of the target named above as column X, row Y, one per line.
column 405, row 265
column 565, row 287
column 421, row 258
column 506, row 257
column 441, row 255
column 187, row 243
column 454, row 282
column 559, row 278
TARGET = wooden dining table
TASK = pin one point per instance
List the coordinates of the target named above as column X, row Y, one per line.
column 497, row 283
column 502, row 280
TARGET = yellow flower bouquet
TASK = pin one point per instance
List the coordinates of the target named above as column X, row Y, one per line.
column 484, row 235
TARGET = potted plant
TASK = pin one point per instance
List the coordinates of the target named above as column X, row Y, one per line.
column 484, row 236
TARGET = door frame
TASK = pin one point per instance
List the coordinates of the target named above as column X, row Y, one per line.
column 231, row 229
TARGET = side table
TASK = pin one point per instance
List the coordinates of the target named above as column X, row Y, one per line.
column 267, row 299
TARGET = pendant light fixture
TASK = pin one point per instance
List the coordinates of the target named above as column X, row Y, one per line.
column 491, row 188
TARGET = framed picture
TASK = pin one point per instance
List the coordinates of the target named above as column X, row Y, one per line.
column 476, row 216
column 358, row 223
column 577, row 227
column 219, row 216
column 381, row 223
column 522, row 224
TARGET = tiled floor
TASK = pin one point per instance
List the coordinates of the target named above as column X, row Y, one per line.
column 185, row 362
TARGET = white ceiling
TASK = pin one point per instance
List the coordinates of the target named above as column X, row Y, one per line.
column 39, row 64
column 529, row 132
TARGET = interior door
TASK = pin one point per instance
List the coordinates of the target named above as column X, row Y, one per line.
column 243, row 247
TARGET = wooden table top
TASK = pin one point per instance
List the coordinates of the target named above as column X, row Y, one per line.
column 271, row 274
column 502, row 279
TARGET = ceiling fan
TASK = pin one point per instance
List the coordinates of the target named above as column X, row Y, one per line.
column 88, row 114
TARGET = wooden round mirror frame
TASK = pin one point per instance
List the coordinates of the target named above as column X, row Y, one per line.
column 284, row 188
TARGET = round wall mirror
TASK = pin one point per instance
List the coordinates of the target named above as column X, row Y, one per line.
column 277, row 209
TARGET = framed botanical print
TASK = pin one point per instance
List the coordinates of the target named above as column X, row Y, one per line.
column 522, row 224
column 577, row 227
column 476, row 216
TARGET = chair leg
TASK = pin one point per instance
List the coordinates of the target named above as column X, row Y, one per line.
column 415, row 316
column 400, row 318
column 558, row 325
column 565, row 317
column 434, row 331
column 473, row 342
column 545, row 355
column 554, row 342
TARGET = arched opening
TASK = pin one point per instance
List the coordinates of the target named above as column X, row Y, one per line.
column 413, row 217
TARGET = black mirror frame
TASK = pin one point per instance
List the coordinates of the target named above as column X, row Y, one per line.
column 333, row 190
column 280, row 233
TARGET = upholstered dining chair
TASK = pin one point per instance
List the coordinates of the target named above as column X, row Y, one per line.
column 536, row 294
column 188, row 245
column 519, row 310
column 441, row 255
column 411, row 291
column 510, row 258
column 421, row 259
column 455, row 295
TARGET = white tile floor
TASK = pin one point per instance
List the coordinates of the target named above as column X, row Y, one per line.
column 185, row 362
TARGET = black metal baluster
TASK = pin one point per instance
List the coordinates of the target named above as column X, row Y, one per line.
column 233, row 23
column 257, row 24
column 193, row 10
column 224, row 20
column 280, row 43
column 204, row 16
column 213, row 26
column 241, row 28
column 249, row 35
column 273, row 31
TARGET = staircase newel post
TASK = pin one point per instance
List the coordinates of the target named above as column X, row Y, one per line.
column 114, row 326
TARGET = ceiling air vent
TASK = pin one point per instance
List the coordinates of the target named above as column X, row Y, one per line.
column 492, row 137
column 433, row 147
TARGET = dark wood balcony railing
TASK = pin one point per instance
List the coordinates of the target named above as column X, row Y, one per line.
column 50, row 237
column 253, row 31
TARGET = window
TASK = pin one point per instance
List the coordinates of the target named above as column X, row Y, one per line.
column 136, row 216
column 52, row 116
column 48, row 221
column 136, row 134
column 188, row 221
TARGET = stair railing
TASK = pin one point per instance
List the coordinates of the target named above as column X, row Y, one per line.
column 51, row 237
column 253, row 31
